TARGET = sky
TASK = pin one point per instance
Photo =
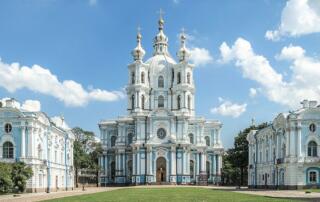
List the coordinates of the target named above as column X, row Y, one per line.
column 254, row 59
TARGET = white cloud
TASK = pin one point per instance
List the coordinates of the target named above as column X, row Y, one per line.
column 38, row 79
column 253, row 92
column 227, row 108
column 31, row 105
column 299, row 17
column 303, row 84
column 200, row 56
column 176, row 1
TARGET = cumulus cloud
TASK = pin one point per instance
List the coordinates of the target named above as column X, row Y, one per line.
column 303, row 84
column 227, row 108
column 31, row 105
column 200, row 56
column 253, row 92
column 299, row 17
column 38, row 79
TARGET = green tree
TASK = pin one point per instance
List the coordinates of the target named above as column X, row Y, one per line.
column 86, row 151
column 20, row 174
column 6, row 183
column 236, row 159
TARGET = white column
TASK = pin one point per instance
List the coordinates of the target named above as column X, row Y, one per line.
column 197, row 164
column 30, row 134
column 214, row 165
column 134, row 162
column 23, row 142
column 219, row 164
column 173, row 161
column 299, row 145
column 138, row 162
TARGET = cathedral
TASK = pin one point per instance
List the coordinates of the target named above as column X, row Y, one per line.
column 160, row 141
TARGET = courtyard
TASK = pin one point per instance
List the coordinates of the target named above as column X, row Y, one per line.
column 166, row 193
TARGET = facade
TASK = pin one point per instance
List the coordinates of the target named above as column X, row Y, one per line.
column 33, row 138
column 160, row 140
column 285, row 154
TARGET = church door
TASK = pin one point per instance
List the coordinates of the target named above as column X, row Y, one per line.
column 161, row 170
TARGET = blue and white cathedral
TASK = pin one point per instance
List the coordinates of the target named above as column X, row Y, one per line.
column 160, row 140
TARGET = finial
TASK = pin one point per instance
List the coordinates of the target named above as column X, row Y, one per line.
column 253, row 122
column 183, row 37
column 139, row 34
column 161, row 21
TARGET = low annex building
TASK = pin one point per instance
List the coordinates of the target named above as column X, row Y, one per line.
column 285, row 154
column 161, row 140
column 45, row 144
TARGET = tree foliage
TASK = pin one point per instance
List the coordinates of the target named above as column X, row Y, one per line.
column 86, row 151
column 235, row 160
column 14, row 176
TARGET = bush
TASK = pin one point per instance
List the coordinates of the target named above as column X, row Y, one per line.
column 14, row 176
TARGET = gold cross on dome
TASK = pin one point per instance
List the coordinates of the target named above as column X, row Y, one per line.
column 161, row 13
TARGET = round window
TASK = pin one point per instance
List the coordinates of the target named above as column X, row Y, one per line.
column 312, row 127
column 8, row 127
column 161, row 133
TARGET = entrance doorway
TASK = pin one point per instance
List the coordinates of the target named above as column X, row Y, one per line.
column 161, row 169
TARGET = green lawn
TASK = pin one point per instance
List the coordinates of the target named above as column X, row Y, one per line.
column 169, row 194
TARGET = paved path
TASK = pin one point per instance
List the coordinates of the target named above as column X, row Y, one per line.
column 282, row 193
column 30, row 197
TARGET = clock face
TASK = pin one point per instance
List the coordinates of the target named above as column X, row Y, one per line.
column 161, row 133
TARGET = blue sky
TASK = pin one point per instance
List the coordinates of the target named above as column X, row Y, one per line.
column 83, row 48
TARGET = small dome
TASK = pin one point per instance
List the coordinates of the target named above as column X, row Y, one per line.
column 183, row 53
column 138, row 52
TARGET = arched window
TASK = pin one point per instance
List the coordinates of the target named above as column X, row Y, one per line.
column 189, row 102
column 39, row 152
column 142, row 101
column 113, row 170
column 7, row 152
column 132, row 102
column 283, row 151
column 113, row 141
column 179, row 102
column 191, row 138
column 192, row 169
column 132, row 78
column 208, row 169
column 160, row 101
column 313, row 177
column 207, row 140
column 312, row 149
column 179, row 78
column 188, row 78
column 142, row 77
column 160, row 82
column 130, row 137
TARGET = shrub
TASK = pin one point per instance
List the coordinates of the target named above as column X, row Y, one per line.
column 14, row 176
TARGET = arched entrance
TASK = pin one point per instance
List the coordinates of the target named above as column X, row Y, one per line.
column 161, row 170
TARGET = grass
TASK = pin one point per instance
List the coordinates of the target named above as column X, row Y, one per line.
column 169, row 194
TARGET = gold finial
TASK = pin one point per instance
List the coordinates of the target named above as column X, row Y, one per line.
column 161, row 21
column 138, row 34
